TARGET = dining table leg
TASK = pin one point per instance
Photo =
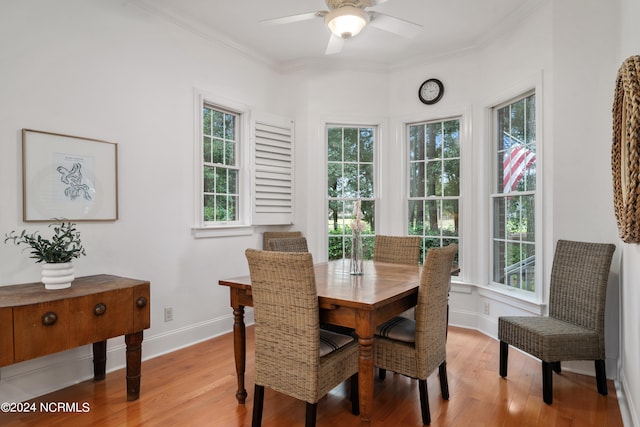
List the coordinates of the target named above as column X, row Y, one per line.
column 240, row 350
column 365, row 329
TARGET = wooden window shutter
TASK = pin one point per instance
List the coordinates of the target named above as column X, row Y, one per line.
column 272, row 197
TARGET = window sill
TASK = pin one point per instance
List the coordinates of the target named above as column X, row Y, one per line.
column 505, row 296
column 460, row 287
column 221, row 231
column 512, row 298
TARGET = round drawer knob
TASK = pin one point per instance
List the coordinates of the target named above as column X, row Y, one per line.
column 141, row 302
column 49, row 318
column 99, row 309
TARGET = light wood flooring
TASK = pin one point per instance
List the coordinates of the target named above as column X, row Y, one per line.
column 196, row 387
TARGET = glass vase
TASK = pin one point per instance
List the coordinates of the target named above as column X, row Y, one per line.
column 357, row 259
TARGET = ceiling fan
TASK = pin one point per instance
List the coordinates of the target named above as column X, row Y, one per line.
column 346, row 18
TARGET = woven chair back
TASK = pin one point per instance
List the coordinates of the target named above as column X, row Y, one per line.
column 431, row 310
column 291, row 244
column 397, row 249
column 287, row 329
column 268, row 235
column 579, row 279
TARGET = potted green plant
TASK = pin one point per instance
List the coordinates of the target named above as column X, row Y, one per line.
column 56, row 254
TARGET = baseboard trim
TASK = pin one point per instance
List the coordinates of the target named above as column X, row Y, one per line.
column 488, row 325
column 629, row 413
column 33, row 378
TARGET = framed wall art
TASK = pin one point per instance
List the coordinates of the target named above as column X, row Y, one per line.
column 68, row 177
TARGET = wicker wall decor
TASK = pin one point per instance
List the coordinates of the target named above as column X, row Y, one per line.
column 625, row 150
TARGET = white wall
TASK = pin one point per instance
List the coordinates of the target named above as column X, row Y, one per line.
column 110, row 71
column 575, row 67
column 531, row 52
column 630, row 253
column 585, row 65
column 474, row 82
column 330, row 95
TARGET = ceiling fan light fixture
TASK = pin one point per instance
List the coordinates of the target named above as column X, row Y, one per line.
column 346, row 21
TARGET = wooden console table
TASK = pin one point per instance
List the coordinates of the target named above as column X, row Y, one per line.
column 35, row 322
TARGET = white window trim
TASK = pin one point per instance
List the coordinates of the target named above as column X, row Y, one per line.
column 543, row 246
column 200, row 229
column 407, row 183
column 467, row 252
column 381, row 132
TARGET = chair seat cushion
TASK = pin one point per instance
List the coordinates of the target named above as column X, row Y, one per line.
column 549, row 339
column 399, row 329
column 332, row 341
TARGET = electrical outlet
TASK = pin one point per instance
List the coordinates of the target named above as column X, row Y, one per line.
column 486, row 308
column 168, row 314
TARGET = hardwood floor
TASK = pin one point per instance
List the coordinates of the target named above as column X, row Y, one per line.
column 196, row 387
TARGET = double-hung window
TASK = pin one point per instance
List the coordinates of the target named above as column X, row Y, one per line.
column 244, row 168
column 350, row 176
column 220, row 166
column 222, row 180
column 514, row 199
column 434, row 182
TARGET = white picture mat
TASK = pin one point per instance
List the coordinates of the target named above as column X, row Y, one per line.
column 68, row 177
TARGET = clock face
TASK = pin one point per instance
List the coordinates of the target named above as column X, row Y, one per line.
column 431, row 91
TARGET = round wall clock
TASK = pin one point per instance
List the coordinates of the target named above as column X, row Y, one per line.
column 431, row 91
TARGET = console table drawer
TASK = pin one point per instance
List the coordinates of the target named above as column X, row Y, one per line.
column 141, row 307
column 40, row 329
column 100, row 316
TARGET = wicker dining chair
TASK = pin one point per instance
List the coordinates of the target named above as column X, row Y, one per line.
column 292, row 355
column 268, row 235
column 415, row 348
column 397, row 249
column 574, row 328
column 289, row 244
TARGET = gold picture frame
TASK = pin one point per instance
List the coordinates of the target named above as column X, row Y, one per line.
column 68, row 177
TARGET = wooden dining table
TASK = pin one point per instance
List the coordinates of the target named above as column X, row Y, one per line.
column 359, row 302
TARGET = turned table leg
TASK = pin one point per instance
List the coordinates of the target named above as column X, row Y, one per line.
column 364, row 329
column 99, row 360
column 134, row 364
column 240, row 351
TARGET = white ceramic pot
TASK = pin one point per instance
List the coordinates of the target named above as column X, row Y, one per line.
column 57, row 275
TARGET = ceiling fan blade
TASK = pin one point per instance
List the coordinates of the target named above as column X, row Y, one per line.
column 294, row 18
column 370, row 3
column 395, row 25
column 335, row 45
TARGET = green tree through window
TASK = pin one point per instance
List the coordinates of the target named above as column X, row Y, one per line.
column 350, row 176
column 434, row 183
column 220, row 165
